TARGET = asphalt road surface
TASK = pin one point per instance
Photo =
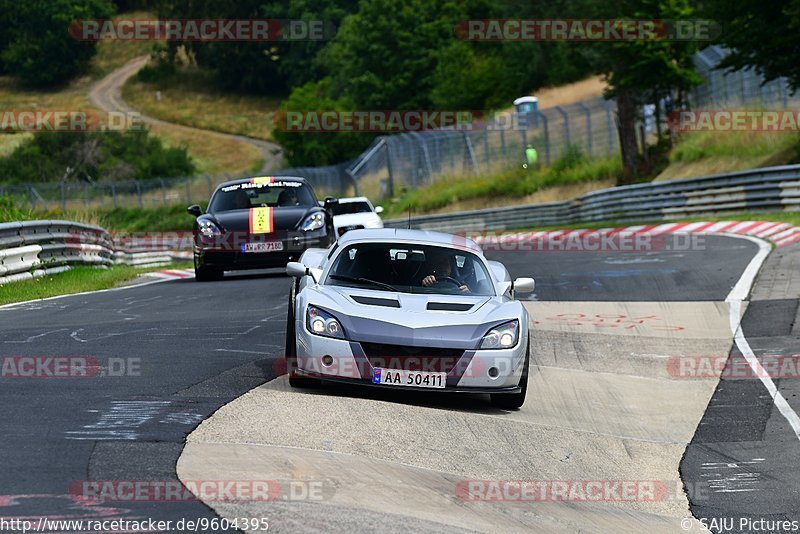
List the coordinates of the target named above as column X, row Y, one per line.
column 180, row 350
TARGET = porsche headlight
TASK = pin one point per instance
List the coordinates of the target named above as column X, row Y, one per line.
column 503, row 336
column 315, row 221
column 208, row 228
column 323, row 323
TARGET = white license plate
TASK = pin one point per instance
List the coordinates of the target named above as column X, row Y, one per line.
column 268, row 246
column 415, row 379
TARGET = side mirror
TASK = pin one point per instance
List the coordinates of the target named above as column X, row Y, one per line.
column 523, row 285
column 195, row 210
column 296, row 269
column 330, row 201
column 378, row 209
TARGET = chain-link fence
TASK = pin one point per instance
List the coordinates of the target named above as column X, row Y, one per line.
column 411, row 160
column 722, row 89
column 393, row 163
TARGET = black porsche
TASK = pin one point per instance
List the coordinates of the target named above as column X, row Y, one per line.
column 256, row 223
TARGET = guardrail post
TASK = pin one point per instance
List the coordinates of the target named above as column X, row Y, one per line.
column 470, row 152
column 486, row 145
column 503, row 143
column 588, row 113
column 425, row 156
column 546, row 128
column 609, row 129
column 565, row 116
column 389, row 170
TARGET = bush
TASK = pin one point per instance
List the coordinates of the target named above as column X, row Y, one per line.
column 94, row 156
column 9, row 212
column 37, row 46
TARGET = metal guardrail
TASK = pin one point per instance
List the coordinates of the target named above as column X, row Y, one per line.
column 31, row 249
column 766, row 189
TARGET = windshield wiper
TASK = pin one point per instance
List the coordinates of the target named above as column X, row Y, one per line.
column 362, row 281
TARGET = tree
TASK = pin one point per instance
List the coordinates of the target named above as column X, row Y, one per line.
column 764, row 34
column 307, row 148
column 37, row 46
column 642, row 71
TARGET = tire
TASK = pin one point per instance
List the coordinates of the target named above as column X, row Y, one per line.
column 514, row 401
column 295, row 380
column 204, row 273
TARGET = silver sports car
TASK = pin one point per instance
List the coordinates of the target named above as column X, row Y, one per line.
column 408, row 309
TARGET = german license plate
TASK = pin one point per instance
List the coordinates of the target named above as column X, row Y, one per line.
column 414, row 379
column 268, row 246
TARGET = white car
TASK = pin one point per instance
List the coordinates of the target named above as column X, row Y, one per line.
column 408, row 309
column 355, row 213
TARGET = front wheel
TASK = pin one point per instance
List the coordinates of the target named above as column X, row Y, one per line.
column 514, row 401
column 295, row 380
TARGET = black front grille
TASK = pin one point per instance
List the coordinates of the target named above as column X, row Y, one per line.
column 411, row 358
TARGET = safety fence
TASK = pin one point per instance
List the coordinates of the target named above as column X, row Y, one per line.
column 32, row 249
column 406, row 161
column 766, row 189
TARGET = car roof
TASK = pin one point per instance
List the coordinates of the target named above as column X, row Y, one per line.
column 348, row 200
column 247, row 180
column 402, row 235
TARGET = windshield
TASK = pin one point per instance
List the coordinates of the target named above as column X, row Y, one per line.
column 411, row 269
column 346, row 208
column 276, row 194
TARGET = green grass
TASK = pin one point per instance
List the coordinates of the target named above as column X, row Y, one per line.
column 512, row 184
column 165, row 218
column 76, row 280
column 704, row 153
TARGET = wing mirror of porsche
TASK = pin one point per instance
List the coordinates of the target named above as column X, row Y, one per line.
column 195, row 210
column 330, row 201
column 298, row 270
column 523, row 285
column 378, row 209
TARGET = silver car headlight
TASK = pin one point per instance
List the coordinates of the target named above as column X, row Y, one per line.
column 323, row 324
column 315, row 221
column 503, row 336
column 208, row 228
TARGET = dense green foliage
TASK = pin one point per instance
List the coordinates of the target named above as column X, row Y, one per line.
column 35, row 44
column 94, row 156
column 764, row 34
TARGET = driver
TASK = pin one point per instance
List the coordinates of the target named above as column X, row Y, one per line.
column 287, row 197
column 441, row 268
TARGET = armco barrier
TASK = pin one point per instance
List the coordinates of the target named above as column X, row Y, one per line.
column 767, row 189
column 31, row 249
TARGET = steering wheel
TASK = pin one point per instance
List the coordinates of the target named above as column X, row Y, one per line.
column 451, row 280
